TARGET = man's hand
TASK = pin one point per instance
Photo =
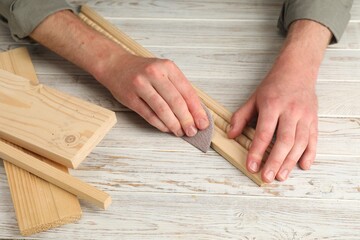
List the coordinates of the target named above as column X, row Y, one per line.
column 158, row 91
column 154, row 88
column 285, row 103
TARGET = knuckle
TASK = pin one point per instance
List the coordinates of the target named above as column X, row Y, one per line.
column 177, row 101
column 286, row 139
column 138, row 82
column 271, row 102
column 160, row 109
column 264, row 136
column 168, row 63
column 152, row 69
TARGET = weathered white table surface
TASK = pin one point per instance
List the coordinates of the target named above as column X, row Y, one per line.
column 162, row 187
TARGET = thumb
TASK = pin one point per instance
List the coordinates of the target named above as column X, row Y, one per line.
column 241, row 117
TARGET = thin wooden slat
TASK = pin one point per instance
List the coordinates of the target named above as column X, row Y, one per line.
column 234, row 153
column 100, row 24
column 50, row 206
column 48, row 122
column 18, row 61
column 53, row 175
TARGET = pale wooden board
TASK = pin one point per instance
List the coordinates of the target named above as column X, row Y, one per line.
column 338, row 65
column 11, row 153
column 128, row 170
column 48, row 122
column 190, row 216
column 210, row 9
column 234, row 34
column 38, row 204
column 190, row 34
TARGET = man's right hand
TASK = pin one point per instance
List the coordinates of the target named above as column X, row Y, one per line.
column 158, row 91
column 154, row 88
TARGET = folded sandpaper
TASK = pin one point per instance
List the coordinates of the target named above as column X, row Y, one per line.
column 202, row 140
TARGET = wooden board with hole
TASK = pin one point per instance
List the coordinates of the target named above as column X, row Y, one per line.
column 50, row 123
column 38, row 205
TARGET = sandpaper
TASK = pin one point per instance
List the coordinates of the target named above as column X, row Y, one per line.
column 202, row 140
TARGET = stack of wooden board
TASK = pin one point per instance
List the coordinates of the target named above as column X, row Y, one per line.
column 51, row 125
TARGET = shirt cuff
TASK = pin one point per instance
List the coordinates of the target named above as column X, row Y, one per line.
column 26, row 15
column 334, row 14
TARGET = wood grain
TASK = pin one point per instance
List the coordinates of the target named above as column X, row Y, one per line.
column 39, row 205
column 48, row 122
column 12, row 154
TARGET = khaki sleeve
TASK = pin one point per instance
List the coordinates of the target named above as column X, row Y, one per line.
column 334, row 14
column 23, row 16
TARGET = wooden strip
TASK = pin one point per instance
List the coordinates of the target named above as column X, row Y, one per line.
column 53, row 175
column 100, row 24
column 48, row 122
column 234, row 153
column 51, row 206
column 18, row 61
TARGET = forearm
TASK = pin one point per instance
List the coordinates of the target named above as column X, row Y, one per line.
column 65, row 34
column 154, row 88
column 304, row 48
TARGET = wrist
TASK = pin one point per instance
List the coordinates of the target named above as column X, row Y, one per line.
column 109, row 56
column 303, row 51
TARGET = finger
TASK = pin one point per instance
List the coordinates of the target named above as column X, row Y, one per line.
column 301, row 142
column 141, row 108
column 241, row 117
column 161, row 109
column 177, row 105
column 285, row 139
column 310, row 153
column 189, row 94
column 266, row 125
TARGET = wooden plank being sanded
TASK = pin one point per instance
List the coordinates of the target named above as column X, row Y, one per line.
column 12, row 154
column 39, row 205
column 50, row 123
column 231, row 150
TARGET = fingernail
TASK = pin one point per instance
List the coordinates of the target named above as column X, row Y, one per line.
column 191, row 131
column 254, row 167
column 180, row 133
column 203, row 123
column 284, row 174
column 270, row 176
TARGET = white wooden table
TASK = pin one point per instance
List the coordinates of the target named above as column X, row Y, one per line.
column 162, row 187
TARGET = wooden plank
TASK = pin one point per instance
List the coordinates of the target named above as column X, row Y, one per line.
column 11, row 153
column 139, row 215
column 48, row 122
column 18, row 61
column 234, row 153
column 237, row 35
column 38, row 205
column 199, row 9
column 94, row 20
column 225, row 65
